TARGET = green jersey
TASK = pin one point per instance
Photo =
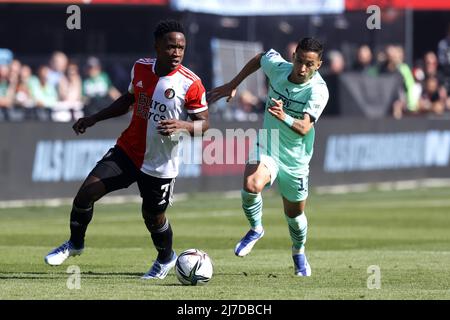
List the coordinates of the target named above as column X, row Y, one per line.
column 97, row 87
column 3, row 88
column 292, row 151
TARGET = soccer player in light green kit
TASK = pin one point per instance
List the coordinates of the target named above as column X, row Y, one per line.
column 297, row 96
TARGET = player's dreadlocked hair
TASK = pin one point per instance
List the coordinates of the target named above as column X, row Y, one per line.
column 310, row 44
column 167, row 26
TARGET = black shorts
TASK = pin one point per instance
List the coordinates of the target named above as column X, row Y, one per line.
column 117, row 171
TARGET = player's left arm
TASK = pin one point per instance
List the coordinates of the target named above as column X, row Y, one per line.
column 300, row 126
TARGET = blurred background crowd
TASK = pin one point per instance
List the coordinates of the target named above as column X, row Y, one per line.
column 60, row 82
column 63, row 89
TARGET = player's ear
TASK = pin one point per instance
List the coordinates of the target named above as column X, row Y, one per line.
column 319, row 64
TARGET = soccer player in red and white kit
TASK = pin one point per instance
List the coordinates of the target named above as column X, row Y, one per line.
column 163, row 94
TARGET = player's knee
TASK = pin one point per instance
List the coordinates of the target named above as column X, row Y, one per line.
column 82, row 202
column 83, row 199
column 152, row 221
column 253, row 185
column 293, row 213
column 88, row 194
column 293, row 209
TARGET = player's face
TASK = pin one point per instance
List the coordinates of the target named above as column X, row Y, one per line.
column 170, row 50
column 305, row 64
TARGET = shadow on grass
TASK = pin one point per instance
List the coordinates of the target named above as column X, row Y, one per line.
column 55, row 275
column 14, row 275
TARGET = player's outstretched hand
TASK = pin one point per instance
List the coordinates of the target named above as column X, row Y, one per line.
column 82, row 124
column 169, row 127
column 227, row 90
column 276, row 109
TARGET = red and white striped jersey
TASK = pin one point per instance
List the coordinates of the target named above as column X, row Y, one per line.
column 158, row 98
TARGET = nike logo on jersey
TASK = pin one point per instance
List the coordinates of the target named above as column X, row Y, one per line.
column 139, row 84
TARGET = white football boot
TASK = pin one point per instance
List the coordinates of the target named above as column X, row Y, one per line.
column 246, row 244
column 160, row 270
column 60, row 254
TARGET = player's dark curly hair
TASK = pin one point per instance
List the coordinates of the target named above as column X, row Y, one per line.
column 167, row 26
column 310, row 44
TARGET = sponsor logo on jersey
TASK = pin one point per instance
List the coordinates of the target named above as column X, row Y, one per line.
column 147, row 108
column 169, row 93
column 139, row 84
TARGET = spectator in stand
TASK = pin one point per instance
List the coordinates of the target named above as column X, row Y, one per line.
column 431, row 67
column 7, row 88
column 6, row 56
column 335, row 65
column 444, row 57
column 23, row 96
column 364, row 60
column 406, row 100
column 98, row 90
column 380, row 58
column 433, row 98
column 44, row 94
column 428, row 69
column 14, row 71
column 58, row 66
column 70, row 106
column 71, row 87
column 336, row 62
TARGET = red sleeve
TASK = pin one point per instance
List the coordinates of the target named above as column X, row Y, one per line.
column 195, row 100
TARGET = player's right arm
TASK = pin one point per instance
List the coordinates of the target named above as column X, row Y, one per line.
column 229, row 89
column 119, row 107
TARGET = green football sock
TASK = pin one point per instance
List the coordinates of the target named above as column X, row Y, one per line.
column 252, row 204
column 298, row 228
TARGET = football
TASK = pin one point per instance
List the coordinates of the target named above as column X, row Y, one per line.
column 194, row 267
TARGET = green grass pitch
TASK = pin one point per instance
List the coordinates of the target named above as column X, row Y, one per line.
column 405, row 233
